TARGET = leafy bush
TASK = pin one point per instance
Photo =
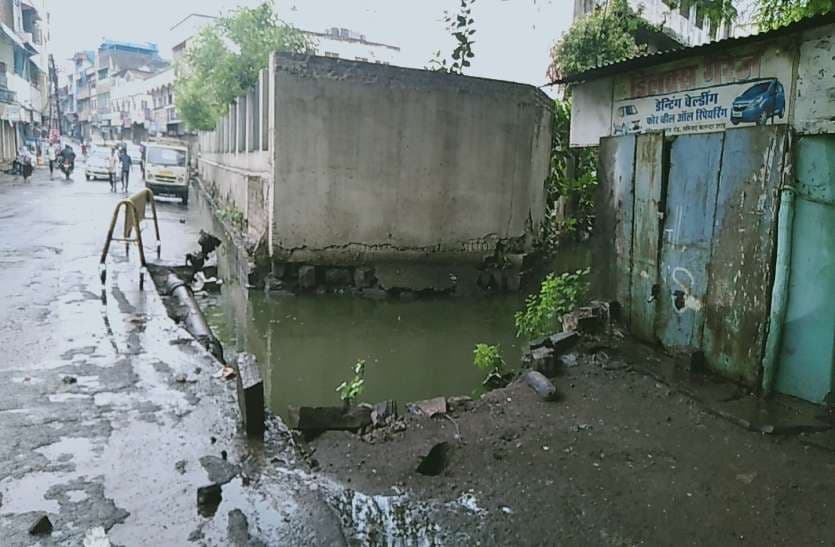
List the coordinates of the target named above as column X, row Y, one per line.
column 349, row 390
column 558, row 294
column 489, row 360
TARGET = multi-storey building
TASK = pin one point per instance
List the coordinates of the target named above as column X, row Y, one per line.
column 344, row 43
column 117, row 101
column 125, row 91
column 24, row 35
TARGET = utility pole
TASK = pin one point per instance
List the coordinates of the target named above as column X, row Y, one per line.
column 54, row 100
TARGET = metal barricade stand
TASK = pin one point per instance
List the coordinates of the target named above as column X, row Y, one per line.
column 134, row 208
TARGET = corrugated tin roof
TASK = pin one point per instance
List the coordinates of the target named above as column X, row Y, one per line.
column 649, row 59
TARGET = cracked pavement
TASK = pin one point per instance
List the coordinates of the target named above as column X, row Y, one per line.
column 96, row 430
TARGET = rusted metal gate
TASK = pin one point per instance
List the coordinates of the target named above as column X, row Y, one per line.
column 739, row 285
column 807, row 358
column 686, row 240
column 614, row 220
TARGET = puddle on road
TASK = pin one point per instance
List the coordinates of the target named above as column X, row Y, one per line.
column 306, row 345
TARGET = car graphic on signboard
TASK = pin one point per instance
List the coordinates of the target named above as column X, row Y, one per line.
column 629, row 121
column 759, row 102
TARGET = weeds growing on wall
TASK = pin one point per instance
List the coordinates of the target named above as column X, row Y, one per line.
column 558, row 294
column 461, row 26
column 570, row 187
column 232, row 216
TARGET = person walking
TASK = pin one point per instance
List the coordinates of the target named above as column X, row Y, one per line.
column 52, row 155
column 114, row 163
column 26, row 166
column 124, row 159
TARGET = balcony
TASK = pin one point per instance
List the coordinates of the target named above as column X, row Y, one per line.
column 7, row 95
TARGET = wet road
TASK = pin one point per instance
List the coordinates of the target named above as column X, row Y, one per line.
column 109, row 415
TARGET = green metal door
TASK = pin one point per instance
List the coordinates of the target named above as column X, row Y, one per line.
column 807, row 357
column 741, row 268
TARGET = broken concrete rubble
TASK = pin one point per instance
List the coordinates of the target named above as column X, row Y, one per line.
column 41, row 526
column 383, row 413
column 429, row 407
column 315, row 420
column 592, row 319
column 541, row 359
column 541, row 385
column 250, row 390
column 461, row 402
column 208, row 499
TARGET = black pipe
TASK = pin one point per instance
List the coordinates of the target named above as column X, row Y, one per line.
column 182, row 308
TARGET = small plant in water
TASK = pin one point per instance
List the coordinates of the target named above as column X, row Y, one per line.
column 349, row 390
column 558, row 294
column 489, row 360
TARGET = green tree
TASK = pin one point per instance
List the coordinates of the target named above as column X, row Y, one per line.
column 773, row 14
column 225, row 60
column 604, row 36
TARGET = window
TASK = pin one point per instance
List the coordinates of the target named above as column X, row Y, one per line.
column 165, row 156
column 684, row 9
column 700, row 18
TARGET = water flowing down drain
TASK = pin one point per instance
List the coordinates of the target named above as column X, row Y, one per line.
column 380, row 520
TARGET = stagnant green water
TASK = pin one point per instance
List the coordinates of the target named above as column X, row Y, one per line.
column 306, row 345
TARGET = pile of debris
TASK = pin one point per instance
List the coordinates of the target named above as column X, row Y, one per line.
column 548, row 355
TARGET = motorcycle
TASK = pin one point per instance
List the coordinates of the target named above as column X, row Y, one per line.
column 66, row 167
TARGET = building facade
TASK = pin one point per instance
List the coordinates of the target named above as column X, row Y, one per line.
column 715, row 212
column 24, row 37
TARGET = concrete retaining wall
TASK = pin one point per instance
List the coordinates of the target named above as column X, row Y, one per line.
column 336, row 162
column 378, row 162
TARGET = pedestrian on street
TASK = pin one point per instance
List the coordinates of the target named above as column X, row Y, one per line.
column 126, row 164
column 26, row 163
column 114, row 164
column 52, row 154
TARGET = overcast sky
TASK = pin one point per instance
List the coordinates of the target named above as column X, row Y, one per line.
column 512, row 40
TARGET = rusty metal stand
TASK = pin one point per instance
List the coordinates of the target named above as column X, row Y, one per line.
column 132, row 206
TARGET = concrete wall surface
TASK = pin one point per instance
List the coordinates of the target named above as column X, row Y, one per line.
column 379, row 162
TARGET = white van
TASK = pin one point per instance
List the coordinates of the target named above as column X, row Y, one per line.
column 166, row 169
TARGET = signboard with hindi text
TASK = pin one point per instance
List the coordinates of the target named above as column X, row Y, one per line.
column 705, row 94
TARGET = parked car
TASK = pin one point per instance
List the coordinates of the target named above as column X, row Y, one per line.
column 760, row 102
column 98, row 164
